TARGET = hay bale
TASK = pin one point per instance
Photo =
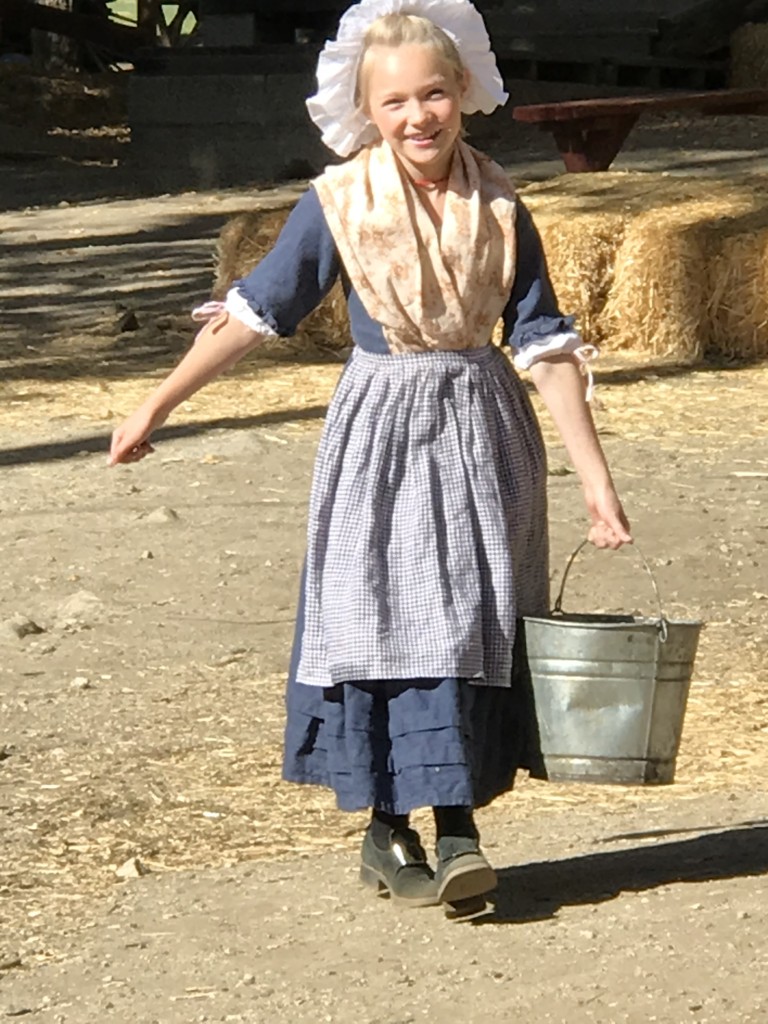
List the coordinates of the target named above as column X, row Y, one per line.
column 243, row 242
column 582, row 220
column 581, row 263
column 658, row 301
column 738, row 287
column 749, row 57
column 663, row 266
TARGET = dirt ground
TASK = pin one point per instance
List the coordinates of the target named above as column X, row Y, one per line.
column 154, row 868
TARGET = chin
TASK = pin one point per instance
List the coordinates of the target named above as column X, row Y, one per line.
column 424, row 157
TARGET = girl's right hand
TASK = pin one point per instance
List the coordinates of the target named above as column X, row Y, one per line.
column 610, row 527
column 130, row 442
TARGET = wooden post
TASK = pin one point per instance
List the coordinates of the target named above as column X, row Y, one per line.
column 589, row 146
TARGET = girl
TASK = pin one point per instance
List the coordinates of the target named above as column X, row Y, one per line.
column 427, row 536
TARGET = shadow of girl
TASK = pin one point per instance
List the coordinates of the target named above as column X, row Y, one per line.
column 536, row 892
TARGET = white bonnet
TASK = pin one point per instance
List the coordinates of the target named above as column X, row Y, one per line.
column 345, row 128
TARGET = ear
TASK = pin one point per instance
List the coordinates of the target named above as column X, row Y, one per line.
column 466, row 78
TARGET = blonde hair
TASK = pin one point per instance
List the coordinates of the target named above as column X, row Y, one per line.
column 400, row 29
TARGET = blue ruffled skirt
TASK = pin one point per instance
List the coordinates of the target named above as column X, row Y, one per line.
column 398, row 745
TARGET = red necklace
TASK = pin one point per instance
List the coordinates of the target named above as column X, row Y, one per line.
column 430, row 183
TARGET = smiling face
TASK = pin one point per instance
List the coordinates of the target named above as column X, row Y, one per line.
column 413, row 96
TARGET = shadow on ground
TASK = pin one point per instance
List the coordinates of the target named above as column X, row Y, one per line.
column 99, row 443
column 95, row 443
column 535, row 892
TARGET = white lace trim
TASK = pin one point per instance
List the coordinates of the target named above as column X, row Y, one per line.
column 237, row 306
column 566, row 341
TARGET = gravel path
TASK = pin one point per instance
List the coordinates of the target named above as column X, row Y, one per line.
column 154, row 868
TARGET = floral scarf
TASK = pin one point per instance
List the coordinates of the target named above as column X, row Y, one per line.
column 429, row 287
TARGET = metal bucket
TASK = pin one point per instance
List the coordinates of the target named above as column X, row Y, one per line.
column 610, row 692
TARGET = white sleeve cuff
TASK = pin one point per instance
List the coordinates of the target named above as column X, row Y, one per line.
column 236, row 305
column 550, row 345
column 555, row 344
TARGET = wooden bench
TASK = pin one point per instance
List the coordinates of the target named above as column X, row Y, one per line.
column 590, row 133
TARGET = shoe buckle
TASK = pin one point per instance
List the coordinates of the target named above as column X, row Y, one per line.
column 399, row 853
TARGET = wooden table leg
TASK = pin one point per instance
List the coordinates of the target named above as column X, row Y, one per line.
column 585, row 146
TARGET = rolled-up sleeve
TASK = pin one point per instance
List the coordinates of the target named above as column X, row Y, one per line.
column 533, row 323
column 293, row 278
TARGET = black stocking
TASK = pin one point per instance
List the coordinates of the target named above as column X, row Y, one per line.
column 382, row 824
column 455, row 821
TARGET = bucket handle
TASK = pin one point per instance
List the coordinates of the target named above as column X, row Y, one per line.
column 662, row 621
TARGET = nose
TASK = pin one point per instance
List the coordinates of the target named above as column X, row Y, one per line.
column 418, row 114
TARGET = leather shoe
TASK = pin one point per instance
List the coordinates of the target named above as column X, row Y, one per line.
column 401, row 870
column 463, row 873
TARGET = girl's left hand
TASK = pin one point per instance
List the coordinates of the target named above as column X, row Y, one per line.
column 130, row 441
column 610, row 527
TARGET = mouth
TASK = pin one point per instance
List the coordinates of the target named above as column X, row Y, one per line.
column 424, row 139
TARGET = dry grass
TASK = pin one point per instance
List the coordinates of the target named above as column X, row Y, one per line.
column 658, row 299
column 659, row 265
column 702, row 403
column 263, row 388
column 244, row 241
column 214, row 797
column 581, row 263
column 192, row 795
column 738, row 288
column 220, row 802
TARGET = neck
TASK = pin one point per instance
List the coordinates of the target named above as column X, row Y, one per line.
column 430, row 184
column 429, row 175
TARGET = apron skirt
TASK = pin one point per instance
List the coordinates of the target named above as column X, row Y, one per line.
column 427, row 540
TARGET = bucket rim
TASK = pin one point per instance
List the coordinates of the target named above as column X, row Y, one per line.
column 607, row 620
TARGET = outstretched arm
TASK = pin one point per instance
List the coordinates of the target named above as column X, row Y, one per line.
column 218, row 347
column 561, row 386
column 272, row 299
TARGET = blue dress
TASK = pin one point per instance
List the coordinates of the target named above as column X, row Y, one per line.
column 405, row 741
